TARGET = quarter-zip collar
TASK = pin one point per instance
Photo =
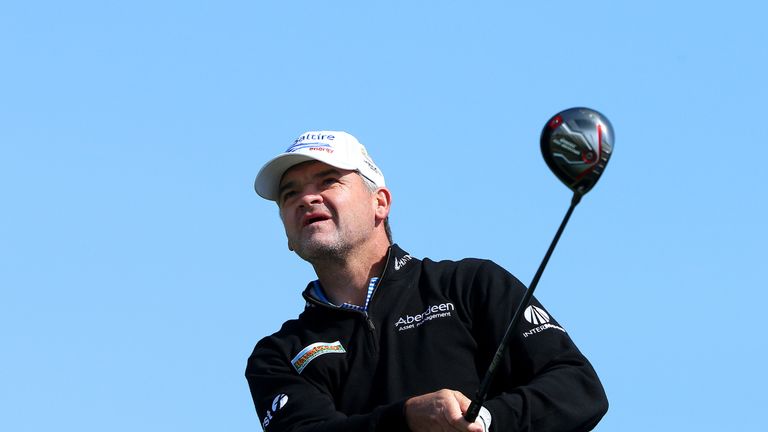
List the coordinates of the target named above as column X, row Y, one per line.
column 395, row 267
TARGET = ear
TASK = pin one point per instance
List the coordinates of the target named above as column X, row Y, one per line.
column 290, row 248
column 383, row 202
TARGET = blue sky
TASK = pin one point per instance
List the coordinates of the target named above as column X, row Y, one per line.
column 138, row 268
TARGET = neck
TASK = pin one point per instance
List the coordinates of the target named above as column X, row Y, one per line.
column 346, row 280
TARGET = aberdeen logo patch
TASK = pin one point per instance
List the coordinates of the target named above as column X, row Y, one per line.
column 408, row 322
column 311, row 352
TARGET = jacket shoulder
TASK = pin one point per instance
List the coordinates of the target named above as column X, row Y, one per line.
column 470, row 265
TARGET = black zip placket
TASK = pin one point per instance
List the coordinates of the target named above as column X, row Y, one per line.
column 373, row 343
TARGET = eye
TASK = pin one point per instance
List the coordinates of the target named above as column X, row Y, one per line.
column 329, row 181
column 287, row 195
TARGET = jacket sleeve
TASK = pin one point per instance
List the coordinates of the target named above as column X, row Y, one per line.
column 543, row 383
column 286, row 402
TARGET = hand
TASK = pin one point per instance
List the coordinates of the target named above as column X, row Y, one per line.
column 440, row 411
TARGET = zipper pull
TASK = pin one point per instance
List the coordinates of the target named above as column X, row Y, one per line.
column 371, row 326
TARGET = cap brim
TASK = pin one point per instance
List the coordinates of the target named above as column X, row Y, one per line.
column 267, row 182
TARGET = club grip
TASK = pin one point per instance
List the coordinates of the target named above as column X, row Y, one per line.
column 473, row 411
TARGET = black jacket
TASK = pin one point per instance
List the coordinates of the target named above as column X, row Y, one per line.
column 430, row 325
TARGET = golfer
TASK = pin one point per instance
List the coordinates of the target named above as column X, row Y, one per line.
column 390, row 342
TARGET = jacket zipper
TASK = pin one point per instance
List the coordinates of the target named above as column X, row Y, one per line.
column 369, row 321
column 372, row 341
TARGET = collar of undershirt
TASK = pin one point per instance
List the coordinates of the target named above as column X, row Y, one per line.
column 319, row 293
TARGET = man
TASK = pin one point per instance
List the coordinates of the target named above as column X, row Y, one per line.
column 389, row 342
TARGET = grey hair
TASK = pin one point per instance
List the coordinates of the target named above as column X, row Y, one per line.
column 371, row 186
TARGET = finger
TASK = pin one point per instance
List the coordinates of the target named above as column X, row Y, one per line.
column 452, row 415
column 460, row 423
column 463, row 401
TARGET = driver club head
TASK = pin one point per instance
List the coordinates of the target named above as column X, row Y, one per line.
column 576, row 145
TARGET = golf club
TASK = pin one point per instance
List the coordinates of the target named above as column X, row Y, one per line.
column 576, row 145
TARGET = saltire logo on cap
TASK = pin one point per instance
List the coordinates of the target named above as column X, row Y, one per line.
column 311, row 352
column 312, row 141
column 536, row 315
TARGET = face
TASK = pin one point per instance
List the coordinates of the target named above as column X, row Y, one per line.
column 326, row 211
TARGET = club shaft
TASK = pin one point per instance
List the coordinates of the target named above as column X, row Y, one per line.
column 482, row 392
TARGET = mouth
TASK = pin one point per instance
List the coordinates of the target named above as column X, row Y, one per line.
column 314, row 218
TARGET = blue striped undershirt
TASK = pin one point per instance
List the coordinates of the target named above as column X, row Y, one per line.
column 317, row 291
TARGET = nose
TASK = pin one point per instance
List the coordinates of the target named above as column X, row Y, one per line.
column 310, row 196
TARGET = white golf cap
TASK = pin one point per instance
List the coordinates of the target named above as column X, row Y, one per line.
column 335, row 148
